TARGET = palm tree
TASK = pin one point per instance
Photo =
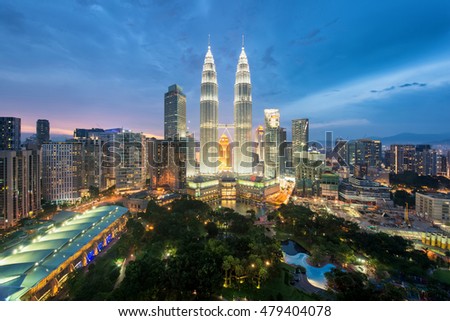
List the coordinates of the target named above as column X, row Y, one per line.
column 227, row 265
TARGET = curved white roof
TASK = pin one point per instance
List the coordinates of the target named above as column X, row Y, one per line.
column 30, row 263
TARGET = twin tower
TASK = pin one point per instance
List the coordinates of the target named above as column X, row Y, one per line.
column 209, row 117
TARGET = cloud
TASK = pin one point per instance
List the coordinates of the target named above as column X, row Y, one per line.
column 268, row 59
column 414, row 84
column 358, row 91
column 383, row 90
column 310, row 38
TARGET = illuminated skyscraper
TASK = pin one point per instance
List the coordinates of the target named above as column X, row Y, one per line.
column 300, row 137
column 242, row 116
column 174, row 113
column 209, row 105
column 271, row 143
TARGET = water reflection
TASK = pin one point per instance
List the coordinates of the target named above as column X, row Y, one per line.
column 242, row 208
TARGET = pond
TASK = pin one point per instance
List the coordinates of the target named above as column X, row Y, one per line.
column 295, row 254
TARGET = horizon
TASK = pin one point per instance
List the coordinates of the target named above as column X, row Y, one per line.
column 353, row 69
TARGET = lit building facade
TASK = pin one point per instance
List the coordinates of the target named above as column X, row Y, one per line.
column 242, row 162
column 365, row 192
column 300, row 139
column 435, row 206
column 260, row 142
column 224, row 154
column 131, row 171
column 209, row 116
column 20, row 187
column 9, row 133
column 402, row 158
column 61, row 172
column 169, row 162
column 271, row 143
column 329, row 185
column 174, row 113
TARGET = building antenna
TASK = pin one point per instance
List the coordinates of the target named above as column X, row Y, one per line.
column 209, row 40
column 242, row 40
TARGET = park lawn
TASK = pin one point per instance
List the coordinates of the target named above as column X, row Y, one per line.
column 442, row 276
column 275, row 288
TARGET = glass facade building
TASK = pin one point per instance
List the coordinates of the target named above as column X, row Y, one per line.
column 174, row 113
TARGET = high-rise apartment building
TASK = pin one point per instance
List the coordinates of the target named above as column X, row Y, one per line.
column 425, row 160
column 42, row 131
column 271, row 143
column 20, row 188
column 131, row 152
column 174, row 113
column 242, row 161
column 209, row 117
column 9, row 133
column 402, row 158
column 368, row 152
column 61, row 172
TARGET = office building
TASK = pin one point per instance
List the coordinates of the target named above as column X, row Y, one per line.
column 9, row 133
column 434, row 206
column 402, row 158
column 42, row 131
column 300, row 139
column 271, row 143
column 174, row 113
column 170, row 162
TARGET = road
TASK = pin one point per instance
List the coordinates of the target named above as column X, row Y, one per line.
column 130, row 258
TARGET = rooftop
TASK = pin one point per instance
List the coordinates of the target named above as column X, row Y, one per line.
column 436, row 195
column 24, row 267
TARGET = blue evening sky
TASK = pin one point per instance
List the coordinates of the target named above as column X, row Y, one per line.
column 358, row 68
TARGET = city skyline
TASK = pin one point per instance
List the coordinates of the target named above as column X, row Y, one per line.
column 356, row 70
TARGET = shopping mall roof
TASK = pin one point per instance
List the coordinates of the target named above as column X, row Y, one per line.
column 30, row 263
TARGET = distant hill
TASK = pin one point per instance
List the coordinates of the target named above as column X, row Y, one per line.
column 54, row 138
column 410, row 138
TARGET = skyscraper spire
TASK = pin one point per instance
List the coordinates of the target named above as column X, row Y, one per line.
column 209, row 105
column 242, row 116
